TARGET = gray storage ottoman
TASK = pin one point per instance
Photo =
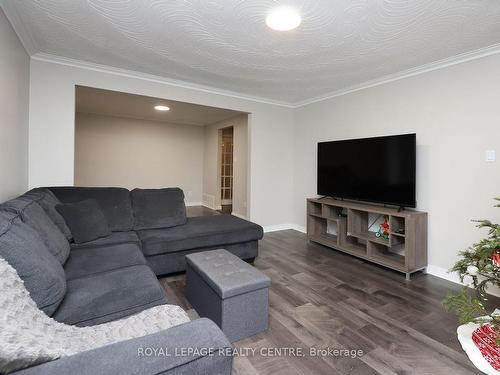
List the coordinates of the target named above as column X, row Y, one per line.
column 231, row 292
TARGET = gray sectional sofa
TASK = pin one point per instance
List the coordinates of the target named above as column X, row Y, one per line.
column 115, row 276
column 165, row 248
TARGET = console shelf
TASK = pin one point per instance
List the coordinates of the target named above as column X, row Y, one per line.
column 344, row 226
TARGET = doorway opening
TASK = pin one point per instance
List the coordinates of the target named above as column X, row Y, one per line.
column 226, row 147
column 121, row 140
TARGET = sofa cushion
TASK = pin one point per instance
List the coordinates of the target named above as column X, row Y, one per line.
column 114, row 238
column 85, row 219
column 92, row 260
column 114, row 202
column 167, row 263
column 202, row 231
column 158, row 208
column 108, row 296
column 41, row 272
column 33, row 214
column 48, row 201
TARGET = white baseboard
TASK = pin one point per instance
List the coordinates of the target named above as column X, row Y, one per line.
column 191, row 204
column 239, row 215
column 443, row 273
column 453, row 277
column 216, row 208
column 298, row 228
column 275, row 228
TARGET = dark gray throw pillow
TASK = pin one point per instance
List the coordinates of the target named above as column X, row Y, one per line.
column 48, row 201
column 158, row 208
column 85, row 220
column 33, row 214
column 24, row 249
column 114, row 202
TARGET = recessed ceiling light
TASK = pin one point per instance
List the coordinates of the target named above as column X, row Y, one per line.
column 283, row 18
column 162, row 108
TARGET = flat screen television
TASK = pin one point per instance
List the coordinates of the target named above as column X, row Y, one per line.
column 379, row 170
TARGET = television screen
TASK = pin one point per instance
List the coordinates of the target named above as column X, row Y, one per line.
column 380, row 169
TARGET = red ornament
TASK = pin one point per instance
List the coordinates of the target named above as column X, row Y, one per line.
column 383, row 231
column 485, row 339
column 496, row 259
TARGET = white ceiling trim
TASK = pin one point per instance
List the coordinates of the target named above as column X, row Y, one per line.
column 152, row 78
column 455, row 60
column 441, row 64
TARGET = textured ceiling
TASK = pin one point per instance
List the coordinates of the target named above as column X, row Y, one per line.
column 225, row 44
column 113, row 103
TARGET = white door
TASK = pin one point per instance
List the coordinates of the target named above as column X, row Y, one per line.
column 227, row 166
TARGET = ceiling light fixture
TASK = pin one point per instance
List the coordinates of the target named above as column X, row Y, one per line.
column 283, row 18
column 162, row 108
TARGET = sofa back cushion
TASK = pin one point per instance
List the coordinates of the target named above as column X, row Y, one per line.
column 85, row 220
column 158, row 208
column 41, row 272
column 33, row 214
column 48, row 201
column 114, row 203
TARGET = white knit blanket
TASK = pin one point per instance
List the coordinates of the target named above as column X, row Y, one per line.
column 29, row 337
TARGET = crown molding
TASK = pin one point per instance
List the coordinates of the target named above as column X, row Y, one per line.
column 24, row 36
column 441, row 64
column 44, row 57
column 444, row 63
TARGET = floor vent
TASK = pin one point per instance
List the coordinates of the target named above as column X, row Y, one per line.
column 209, row 201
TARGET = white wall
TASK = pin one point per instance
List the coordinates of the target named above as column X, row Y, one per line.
column 14, row 102
column 52, row 111
column 456, row 114
column 116, row 151
column 211, row 183
column 454, row 111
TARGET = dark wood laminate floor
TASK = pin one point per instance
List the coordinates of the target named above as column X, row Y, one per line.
column 322, row 298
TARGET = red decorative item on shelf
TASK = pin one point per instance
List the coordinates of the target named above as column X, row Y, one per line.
column 383, row 231
column 485, row 339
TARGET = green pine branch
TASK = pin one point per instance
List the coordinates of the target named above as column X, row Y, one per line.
column 467, row 307
column 476, row 264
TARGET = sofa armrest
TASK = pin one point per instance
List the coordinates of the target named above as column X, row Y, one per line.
column 197, row 347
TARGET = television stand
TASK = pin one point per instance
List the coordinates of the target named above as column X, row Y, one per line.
column 327, row 196
column 405, row 249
